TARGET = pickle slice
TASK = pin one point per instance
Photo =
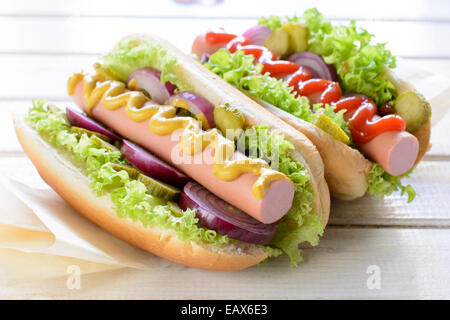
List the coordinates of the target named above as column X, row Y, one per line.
column 278, row 42
column 103, row 144
column 298, row 37
column 90, row 133
column 327, row 125
column 133, row 173
column 159, row 189
column 185, row 113
column 413, row 108
column 229, row 120
column 176, row 210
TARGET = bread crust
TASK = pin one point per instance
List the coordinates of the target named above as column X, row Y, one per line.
column 423, row 135
column 74, row 188
column 217, row 91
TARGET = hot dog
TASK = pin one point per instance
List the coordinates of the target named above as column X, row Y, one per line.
column 399, row 151
column 241, row 200
column 335, row 95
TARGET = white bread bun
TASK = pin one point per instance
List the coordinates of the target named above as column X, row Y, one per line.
column 74, row 188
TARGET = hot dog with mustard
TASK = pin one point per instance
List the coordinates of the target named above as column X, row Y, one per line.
column 149, row 159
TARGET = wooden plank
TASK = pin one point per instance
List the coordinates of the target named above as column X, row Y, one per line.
column 45, row 75
column 412, row 264
column 40, row 75
column 440, row 142
column 430, row 209
column 382, row 9
column 83, row 35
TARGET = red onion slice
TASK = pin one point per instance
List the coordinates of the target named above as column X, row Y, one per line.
column 204, row 58
column 148, row 79
column 315, row 63
column 257, row 35
column 197, row 105
column 151, row 165
column 215, row 214
column 80, row 120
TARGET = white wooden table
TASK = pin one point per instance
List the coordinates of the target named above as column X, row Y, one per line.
column 43, row 42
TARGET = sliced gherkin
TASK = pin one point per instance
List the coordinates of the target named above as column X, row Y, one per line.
column 413, row 108
column 133, row 173
column 298, row 37
column 184, row 113
column 327, row 125
column 90, row 133
column 103, row 144
column 278, row 42
column 159, row 189
column 226, row 118
column 175, row 209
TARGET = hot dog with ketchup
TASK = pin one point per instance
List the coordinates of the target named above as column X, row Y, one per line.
column 172, row 159
column 336, row 87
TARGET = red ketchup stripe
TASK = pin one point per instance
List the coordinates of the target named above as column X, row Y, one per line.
column 329, row 91
column 216, row 37
column 365, row 124
column 361, row 111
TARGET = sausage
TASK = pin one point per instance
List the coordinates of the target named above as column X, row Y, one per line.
column 201, row 47
column 275, row 203
column 395, row 151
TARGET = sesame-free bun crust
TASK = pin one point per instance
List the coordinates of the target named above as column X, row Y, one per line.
column 74, row 188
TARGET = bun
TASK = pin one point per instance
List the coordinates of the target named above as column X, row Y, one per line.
column 74, row 188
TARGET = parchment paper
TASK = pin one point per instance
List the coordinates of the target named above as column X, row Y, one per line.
column 41, row 236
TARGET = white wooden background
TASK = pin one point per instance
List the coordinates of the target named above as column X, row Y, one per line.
column 43, row 42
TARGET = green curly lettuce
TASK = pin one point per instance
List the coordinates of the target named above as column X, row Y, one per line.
column 383, row 184
column 300, row 224
column 359, row 62
column 129, row 196
column 275, row 22
column 238, row 70
column 131, row 54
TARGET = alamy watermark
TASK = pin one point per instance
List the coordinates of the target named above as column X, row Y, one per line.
column 373, row 281
column 73, row 281
column 257, row 143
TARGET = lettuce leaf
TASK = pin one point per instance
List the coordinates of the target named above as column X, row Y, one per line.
column 383, row 184
column 131, row 54
column 275, row 22
column 359, row 63
column 128, row 196
column 300, row 224
column 238, row 70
